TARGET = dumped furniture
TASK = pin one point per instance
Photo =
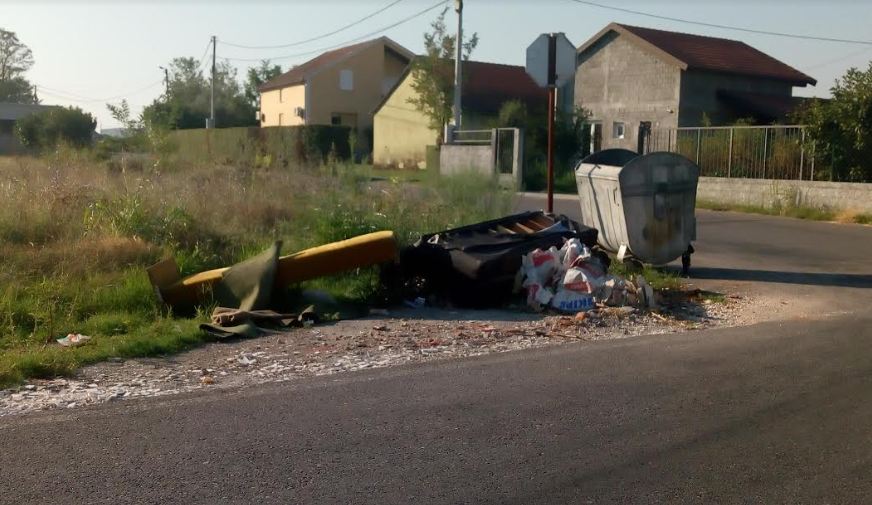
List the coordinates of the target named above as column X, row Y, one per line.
column 642, row 205
column 478, row 265
column 328, row 259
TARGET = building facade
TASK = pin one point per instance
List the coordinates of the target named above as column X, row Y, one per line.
column 340, row 87
column 633, row 80
column 401, row 132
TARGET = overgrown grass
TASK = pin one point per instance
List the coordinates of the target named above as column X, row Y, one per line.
column 76, row 236
column 800, row 212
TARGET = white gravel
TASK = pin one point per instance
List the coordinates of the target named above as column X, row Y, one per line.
column 410, row 336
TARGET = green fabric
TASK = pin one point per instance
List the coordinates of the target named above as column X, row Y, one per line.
column 248, row 285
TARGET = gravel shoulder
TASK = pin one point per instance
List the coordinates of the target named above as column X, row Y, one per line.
column 402, row 336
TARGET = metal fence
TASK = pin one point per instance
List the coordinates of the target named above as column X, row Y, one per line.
column 758, row 152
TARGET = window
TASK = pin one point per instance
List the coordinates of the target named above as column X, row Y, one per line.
column 281, row 95
column 281, row 117
column 346, row 80
column 618, row 130
column 335, row 119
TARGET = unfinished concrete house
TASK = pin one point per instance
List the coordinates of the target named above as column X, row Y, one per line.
column 634, row 79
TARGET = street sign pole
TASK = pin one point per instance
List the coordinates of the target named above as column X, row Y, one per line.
column 551, row 62
column 552, row 90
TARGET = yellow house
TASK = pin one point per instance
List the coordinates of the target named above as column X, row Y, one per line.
column 339, row 87
column 401, row 133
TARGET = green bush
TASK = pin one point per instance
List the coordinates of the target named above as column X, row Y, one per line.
column 45, row 130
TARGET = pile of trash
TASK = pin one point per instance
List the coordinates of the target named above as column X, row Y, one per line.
column 482, row 265
column 575, row 278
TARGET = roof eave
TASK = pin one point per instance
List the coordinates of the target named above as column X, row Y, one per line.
column 639, row 41
column 266, row 87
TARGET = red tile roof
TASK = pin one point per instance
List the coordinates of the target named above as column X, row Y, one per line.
column 300, row 73
column 714, row 54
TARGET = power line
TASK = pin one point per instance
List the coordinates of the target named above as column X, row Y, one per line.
column 319, row 37
column 75, row 97
column 205, row 53
column 838, row 60
column 376, row 32
column 725, row 27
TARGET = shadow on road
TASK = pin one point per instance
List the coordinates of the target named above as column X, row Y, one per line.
column 812, row 279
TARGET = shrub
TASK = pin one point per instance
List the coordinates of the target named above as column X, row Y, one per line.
column 45, row 130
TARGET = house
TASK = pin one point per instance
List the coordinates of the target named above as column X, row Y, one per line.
column 401, row 132
column 339, row 87
column 634, row 79
column 9, row 114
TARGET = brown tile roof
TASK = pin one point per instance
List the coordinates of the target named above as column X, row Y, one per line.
column 713, row 54
column 486, row 86
column 300, row 73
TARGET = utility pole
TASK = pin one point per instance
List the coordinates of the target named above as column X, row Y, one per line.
column 211, row 122
column 458, row 78
column 166, row 81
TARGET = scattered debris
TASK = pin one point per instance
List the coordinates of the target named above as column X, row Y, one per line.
column 410, row 336
column 73, row 340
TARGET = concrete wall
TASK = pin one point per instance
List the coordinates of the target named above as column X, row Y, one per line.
column 454, row 159
column 277, row 106
column 699, row 93
column 620, row 82
column 401, row 133
column 770, row 193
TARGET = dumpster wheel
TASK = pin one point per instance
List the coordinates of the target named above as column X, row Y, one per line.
column 633, row 264
column 685, row 260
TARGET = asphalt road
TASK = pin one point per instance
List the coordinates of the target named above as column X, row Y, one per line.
column 773, row 413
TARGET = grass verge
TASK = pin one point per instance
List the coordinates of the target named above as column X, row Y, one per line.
column 76, row 236
column 815, row 214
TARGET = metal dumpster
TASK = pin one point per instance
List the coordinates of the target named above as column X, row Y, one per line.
column 642, row 205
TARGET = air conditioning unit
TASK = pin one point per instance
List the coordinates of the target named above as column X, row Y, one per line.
column 299, row 112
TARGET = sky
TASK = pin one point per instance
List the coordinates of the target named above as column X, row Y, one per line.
column 91, row 53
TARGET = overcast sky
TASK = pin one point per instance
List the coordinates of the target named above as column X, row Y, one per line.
column 88, row 53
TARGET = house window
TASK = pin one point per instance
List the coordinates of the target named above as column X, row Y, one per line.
column 618, row 130
column 346, row 80
column 281, row 117
column 281, row 95
column 335, row 119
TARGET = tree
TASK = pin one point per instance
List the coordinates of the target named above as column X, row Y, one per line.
column 186, row 105
column 15, row 59
column 257, row 76
column 841, row 128
column 433, row 74
column 47, row 129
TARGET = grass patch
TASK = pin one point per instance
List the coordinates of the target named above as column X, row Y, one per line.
column 76, row 236
column 811, row 213
column 658, row 278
